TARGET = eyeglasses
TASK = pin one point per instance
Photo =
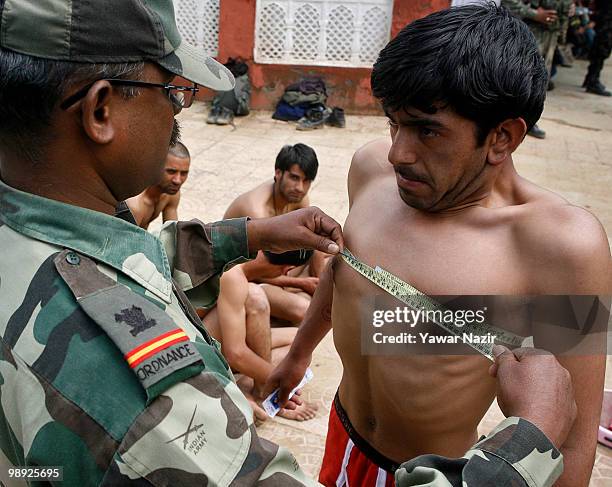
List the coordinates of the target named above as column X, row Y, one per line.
column 180, row 96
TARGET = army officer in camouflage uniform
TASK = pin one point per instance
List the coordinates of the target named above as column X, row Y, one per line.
column 105, row 368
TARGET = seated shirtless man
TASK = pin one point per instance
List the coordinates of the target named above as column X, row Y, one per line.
column 441, row 205
column 165, row 196
column 294, row 171
column 241, row 322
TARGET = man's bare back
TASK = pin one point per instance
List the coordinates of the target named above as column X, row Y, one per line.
column 413, row 404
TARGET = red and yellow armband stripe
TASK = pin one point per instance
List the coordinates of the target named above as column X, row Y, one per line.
column 146, row 350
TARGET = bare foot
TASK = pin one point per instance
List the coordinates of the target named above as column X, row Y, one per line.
column 259, row 415
column 245, row 384
column 303, row 412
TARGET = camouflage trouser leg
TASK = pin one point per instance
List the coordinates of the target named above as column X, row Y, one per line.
column 547, row 42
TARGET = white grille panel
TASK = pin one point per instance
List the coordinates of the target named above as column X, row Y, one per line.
column 198, row 23
column 306, row 32
column 372, row 38
column 340, row 28
column 272, row 29
column 322, row 32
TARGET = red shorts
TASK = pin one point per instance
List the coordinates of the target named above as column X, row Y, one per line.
column 350, row 461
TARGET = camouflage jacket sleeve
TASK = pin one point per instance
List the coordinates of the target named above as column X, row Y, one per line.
column 518, row 8
column 199, row 253
column 515, row 453
column 200, row 432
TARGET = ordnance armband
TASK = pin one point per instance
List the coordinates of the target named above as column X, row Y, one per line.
column 156, row 348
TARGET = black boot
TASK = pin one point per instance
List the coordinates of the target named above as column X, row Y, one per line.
column 597, row 88
column 336, row 119
column 536, row 132
column 592, row 76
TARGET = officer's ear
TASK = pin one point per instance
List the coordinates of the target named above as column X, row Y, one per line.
column 97, row 111
column 504, row 139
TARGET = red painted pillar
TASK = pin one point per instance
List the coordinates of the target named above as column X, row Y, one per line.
column 236, row 29
column 405, row 11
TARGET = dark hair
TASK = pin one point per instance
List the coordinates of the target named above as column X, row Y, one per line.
column 480, row 61
column 291, row 257
column 300, row 154
column 180, row 150
column 31, row 88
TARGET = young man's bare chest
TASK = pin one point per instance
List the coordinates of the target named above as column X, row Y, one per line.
column 391, row 397
column 469, row 253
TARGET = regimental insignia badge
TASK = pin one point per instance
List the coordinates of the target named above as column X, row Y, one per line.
column 135, row 319
column 152, row 343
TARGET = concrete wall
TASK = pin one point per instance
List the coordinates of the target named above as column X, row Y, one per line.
column 347, row 87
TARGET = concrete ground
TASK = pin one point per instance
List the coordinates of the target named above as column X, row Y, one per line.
column 575, row 160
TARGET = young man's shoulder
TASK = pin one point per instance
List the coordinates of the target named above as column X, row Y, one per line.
column 564, row 242
column 234, row 286
column 252, row 203
column 372, row 157
column 368, row 164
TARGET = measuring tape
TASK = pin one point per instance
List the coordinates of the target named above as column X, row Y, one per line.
column 414, row 298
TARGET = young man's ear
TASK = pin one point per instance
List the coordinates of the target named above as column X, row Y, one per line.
column 96, row 113
column 277, row 175
column 505, row 138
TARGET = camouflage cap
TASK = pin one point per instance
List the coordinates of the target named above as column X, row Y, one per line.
column 107, row 31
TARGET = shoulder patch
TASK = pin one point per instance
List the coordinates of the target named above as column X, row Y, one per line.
column 153, row 345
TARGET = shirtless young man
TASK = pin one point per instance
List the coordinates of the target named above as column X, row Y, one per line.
column 441, row 206
column 294, row 171
column 241, row 322
column 165, row 196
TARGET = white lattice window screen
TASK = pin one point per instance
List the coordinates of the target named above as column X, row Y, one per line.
column 339, row 34
column 198, row 23
column 272, row 29
column 322, row 32
column 306, row 32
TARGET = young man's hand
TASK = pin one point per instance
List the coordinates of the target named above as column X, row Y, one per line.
column 287, row 375
column 307, row 228
column 533, row 385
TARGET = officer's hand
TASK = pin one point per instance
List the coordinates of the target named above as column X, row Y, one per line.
column 287, row 375
column 307, row 228
column 544, row 16
column 531, row 384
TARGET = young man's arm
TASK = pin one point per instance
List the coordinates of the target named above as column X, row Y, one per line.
column 170, row 211
column 306, row 284
column 313, row 329
column 136, row 206
column 580, row 269
column 232, row 321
